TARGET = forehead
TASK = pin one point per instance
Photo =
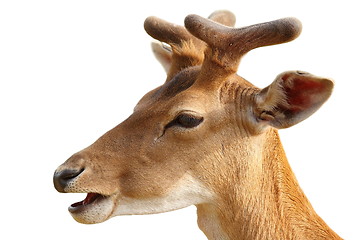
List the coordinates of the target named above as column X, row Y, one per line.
column 179, row 83
column 187, row 77
column 180, row 90
column 170, row 91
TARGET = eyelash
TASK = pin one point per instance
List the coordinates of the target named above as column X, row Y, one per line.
column 185, row 121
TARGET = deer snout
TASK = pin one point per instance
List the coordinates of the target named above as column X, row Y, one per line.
column 63, row 178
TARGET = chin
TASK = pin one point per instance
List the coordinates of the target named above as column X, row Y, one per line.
column 95, row 208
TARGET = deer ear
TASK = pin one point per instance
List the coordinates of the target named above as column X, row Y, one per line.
column 291, row 98
column 162, row 54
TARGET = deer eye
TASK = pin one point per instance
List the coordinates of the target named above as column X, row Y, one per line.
column 185, row 121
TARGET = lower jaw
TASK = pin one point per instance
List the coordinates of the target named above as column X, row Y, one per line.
column 90, row 200
column 95, row 212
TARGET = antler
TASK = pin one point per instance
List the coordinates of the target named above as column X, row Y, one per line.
column 187, row 50
column 227, row 45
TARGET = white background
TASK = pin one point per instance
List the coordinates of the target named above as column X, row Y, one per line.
column 71, row 70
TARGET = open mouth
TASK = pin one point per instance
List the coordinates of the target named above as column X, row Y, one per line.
column 91, row 199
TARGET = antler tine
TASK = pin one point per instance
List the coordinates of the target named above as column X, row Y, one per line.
column 165, row 31
column 187, row 50
column 175, row 34
column 231, row 44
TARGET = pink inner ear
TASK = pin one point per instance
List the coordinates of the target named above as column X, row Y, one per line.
column 301, row 91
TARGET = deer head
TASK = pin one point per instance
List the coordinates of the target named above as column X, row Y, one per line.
column 206, row 137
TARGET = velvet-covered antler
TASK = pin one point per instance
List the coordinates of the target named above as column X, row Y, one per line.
column 227, row 45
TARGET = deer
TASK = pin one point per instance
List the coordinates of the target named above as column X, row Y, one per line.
column 206, row 137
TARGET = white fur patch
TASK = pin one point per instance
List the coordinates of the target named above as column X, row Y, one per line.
column 188, row 191
column 211, row 226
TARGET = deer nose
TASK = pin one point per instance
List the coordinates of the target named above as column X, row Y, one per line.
column 63, row 178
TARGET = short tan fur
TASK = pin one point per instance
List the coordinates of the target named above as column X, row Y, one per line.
column 206, row 137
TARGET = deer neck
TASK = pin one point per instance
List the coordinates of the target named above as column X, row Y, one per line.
column 262, row 200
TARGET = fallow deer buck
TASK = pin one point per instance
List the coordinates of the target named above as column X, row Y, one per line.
column 206, row 137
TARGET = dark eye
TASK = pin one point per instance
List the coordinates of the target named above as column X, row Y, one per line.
column 185, row 121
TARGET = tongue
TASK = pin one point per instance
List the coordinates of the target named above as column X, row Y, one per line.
column 90, row 197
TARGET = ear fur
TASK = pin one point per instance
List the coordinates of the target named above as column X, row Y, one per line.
column 291, row 98
column 162, row 54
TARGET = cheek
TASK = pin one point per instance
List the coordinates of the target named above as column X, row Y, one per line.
column 141, row 184
column 148, row 182
column 158, row 169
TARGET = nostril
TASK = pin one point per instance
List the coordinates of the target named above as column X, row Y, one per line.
column 61, row 179
column 69, row 174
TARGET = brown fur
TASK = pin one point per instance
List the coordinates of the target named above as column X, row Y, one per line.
column 243, row 186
